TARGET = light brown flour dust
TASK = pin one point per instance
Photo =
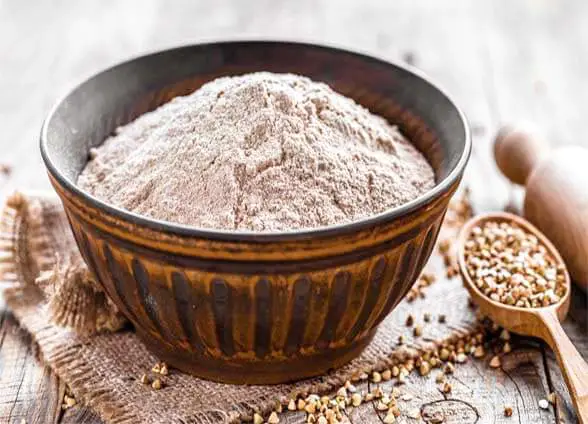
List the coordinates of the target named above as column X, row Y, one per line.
column 261, row 152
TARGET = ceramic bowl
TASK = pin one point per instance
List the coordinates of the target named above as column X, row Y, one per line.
column 243, row 307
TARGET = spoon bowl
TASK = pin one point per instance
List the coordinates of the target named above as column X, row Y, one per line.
column 543, row 322
column 523, row 321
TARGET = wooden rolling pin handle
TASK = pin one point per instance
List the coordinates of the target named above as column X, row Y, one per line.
column 517, row 150
column 573, row 366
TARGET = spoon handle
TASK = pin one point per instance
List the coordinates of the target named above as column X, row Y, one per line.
column 573, row 366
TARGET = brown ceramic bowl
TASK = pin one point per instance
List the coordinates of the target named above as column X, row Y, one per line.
column 246, row 307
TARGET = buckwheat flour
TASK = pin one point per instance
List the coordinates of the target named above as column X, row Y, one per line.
column 260, row 152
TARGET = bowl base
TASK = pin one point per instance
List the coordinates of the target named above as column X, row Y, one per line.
column 271, row 371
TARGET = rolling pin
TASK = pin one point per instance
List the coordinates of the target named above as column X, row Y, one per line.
column 556, row 198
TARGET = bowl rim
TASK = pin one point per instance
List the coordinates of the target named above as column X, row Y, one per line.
column 184, row 230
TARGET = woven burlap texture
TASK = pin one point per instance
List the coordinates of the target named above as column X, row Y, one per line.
column 49, row 285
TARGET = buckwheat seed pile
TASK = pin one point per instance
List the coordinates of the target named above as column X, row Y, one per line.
column 511, row 266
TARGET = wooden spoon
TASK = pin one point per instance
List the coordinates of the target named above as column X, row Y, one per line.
column 543, row 323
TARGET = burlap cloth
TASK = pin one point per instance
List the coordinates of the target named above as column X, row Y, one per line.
column 50, row 291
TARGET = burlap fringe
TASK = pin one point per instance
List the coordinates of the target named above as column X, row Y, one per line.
column 16, row 265
column 74, row 299
column 21, row 218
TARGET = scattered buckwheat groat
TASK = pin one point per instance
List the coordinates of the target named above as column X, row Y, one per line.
column 511, row 266
column 68, row 402
column 160, row 368
column 418, row 289
column 386, row 391
column 156, row 384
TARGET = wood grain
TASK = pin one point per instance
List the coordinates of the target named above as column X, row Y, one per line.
column 502, row 61
column 28, row 391
column 519, row 385
column 80, row 415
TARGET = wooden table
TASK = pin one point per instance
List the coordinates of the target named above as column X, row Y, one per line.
column 501, row 60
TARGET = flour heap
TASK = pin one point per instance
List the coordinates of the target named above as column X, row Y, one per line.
column 261, row 152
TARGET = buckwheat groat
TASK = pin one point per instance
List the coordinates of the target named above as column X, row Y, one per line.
column 511, row 266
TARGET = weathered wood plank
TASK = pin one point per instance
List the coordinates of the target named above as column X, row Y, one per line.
column 364, row 413
column 478, row 393
column 80, row 415
column 28, row 392
column 293, row 417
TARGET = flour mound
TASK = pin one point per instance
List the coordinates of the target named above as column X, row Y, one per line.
column 260, row 152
